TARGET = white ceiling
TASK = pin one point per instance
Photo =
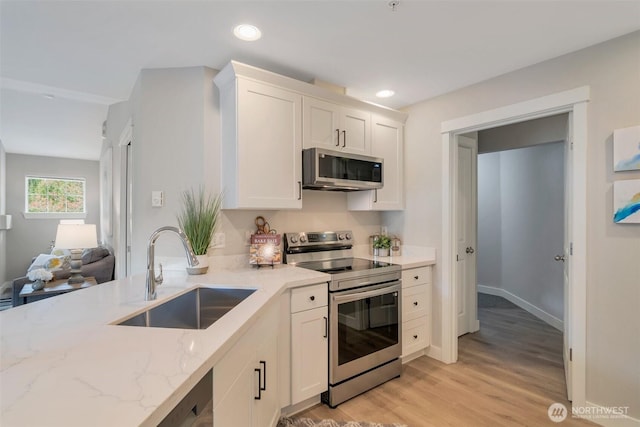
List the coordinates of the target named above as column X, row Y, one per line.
column 89, row 53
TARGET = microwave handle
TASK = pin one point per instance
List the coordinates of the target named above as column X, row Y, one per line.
column 382, row 290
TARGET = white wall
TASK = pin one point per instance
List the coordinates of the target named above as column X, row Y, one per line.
column 611, row 70
column 489, row 253
column 168, row 146
column 30, row 237
column 3, row 204
column 523, row 134
column 528, row 229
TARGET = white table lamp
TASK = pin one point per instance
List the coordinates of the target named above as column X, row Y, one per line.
column 76, row 237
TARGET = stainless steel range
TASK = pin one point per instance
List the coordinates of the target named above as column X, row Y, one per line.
column 364, row 312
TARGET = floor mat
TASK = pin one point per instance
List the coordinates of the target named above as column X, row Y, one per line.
column 306, row 422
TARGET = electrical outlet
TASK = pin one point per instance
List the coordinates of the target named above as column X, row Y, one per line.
column 218, row 241
column 383, row 230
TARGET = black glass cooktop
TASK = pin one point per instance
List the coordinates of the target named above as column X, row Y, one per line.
column 343, row 265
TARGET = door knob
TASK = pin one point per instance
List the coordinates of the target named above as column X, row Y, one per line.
column 559, row 258
column 470, row 250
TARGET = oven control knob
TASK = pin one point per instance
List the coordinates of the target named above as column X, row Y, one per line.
column 348, row 236
column 340, row 236
column 303, row 238
column 294, row 239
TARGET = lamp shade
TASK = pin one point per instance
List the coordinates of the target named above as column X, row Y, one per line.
column 76, row 236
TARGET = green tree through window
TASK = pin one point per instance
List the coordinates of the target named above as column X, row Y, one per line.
column 55, row 195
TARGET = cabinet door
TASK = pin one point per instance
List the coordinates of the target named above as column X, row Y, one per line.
column 236, row 407
column 269, row 133
column 355, row 132
column 309, row 353
column 320, row 124
column 266, row 409
column 388, row 143
column 334, row 127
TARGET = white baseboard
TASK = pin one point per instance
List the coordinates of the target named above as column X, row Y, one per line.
column 525, row 305
column 413, row 356
column 300, row 406
column 434, row 352
column 608, row 420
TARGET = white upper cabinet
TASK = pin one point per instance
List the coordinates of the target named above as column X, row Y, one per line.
column 261, row 146
column 388, row 143
column 335, row 127
column 266, row 119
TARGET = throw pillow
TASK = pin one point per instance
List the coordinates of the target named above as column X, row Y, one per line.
column 49, row 262
column 94, row 254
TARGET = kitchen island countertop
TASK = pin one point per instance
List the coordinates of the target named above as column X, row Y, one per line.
column 64, row 362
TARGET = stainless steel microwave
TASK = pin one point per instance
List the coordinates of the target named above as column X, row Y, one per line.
column 334, row 170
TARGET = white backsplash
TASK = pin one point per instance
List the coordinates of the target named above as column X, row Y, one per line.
column 321, row 211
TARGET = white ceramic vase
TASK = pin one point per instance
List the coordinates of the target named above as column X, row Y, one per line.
column 202, row 267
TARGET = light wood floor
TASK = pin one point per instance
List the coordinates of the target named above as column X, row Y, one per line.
column 507, row 374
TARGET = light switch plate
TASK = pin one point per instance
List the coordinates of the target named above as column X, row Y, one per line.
column 157, row 199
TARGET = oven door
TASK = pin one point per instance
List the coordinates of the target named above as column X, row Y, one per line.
column 364, row 329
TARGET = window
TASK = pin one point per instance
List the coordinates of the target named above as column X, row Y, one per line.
column 55, row 197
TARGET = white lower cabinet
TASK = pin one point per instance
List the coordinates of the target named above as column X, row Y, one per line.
column 245, row 381
column 309, row 342
column 416, row 311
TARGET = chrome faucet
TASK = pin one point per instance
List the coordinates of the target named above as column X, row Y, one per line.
column 152, row 279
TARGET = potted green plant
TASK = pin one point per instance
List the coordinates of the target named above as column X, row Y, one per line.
column 198, row 219
column 381, row 246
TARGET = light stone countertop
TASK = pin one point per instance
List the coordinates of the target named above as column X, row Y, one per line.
column 63, row 362
column 412, row 256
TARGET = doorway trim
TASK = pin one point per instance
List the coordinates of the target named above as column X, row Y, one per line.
column 571, row 101
column 126, row 139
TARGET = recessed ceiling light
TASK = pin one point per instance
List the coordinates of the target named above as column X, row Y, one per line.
column 247, row 32
column 385, row 93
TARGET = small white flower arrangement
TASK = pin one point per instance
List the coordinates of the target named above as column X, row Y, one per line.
column 40, row 274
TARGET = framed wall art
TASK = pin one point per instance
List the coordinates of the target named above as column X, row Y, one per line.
column 626, row 201
column 626, row 149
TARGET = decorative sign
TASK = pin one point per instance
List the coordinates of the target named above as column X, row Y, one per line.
column 265, row 249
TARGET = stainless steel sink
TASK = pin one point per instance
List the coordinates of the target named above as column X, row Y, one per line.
column 196, row 309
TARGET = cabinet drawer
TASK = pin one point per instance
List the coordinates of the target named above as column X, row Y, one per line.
column 309, row 297
column 415, row 302
column 415, row 335
column 416, row 276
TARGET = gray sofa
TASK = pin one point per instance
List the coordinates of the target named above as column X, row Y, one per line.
column 96, row 262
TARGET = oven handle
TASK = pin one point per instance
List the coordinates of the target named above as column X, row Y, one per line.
column 385, row 288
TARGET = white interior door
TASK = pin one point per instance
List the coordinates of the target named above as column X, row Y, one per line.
column 467, row 235
column 566, row 256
